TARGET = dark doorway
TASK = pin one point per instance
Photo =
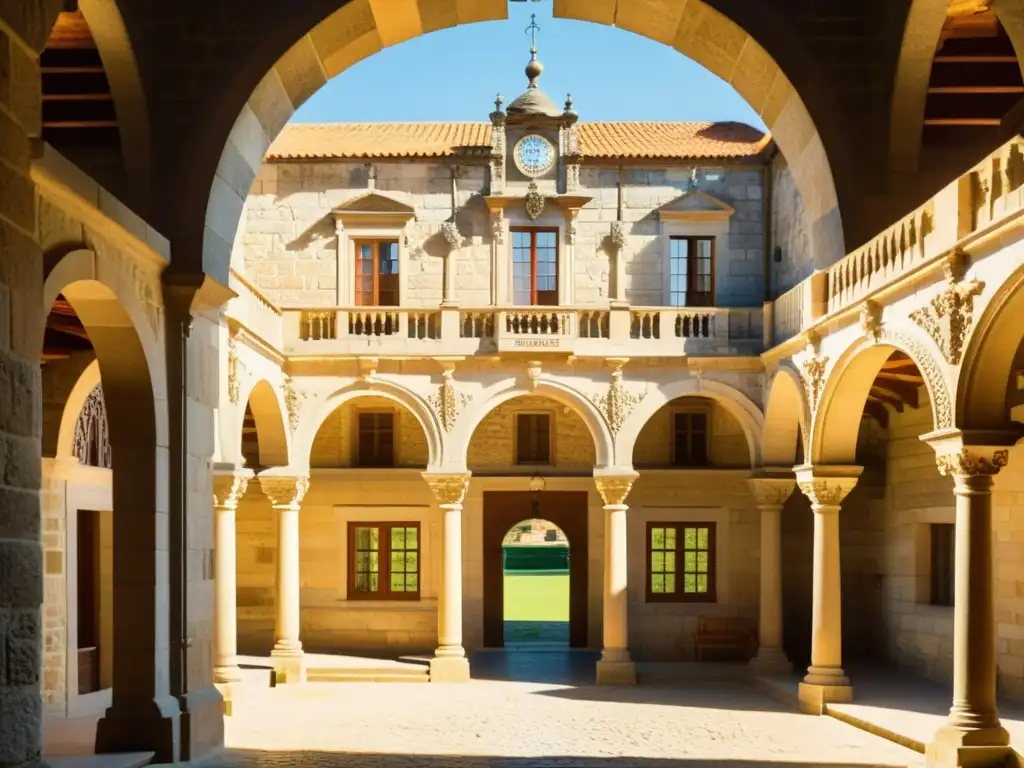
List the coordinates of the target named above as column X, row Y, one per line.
column 502, row 511
column 88, row 601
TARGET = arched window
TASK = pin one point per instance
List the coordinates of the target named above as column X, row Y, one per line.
column 92, row 441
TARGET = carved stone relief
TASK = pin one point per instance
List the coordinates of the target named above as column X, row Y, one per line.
column 948, row 317
column 233, row 363
column 814, row 379
column 617, row 403
column 448, row 489
column 292, row 399
column 968, row 463
column 448, row 402
column 92, row 436
column 942, row 405
column 871, row 320
column 614, row 488
column 534, row 201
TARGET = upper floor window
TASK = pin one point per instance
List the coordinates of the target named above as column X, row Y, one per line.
column 375, row 439
column 943, row 546
column 690, row 438
column 533, row 438
column 692, row 271
column 376, row 273
column 535, row 266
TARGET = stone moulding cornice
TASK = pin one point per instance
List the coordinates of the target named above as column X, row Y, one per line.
column 284, row 490
column 241, row 333
column 449, row 488
column 826, row 485
column 614, row 488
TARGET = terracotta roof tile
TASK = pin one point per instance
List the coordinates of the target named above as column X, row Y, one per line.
column 667, row 141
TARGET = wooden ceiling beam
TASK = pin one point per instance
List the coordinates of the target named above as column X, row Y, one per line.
column 904, row 392
column 887, row 398
column 910, row 378
column 875, row 410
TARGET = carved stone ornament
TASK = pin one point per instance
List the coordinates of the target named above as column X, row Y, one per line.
column 233, row 384
column 284, row 491
column 571, row 231
column 968, row 463
column 448, row 402
column 617, row 403
column 368, row 368
column 533, row 372
column 448, row 489
column 572, row 177
column 614, row 488
column 534, row 201
column 498, row 228
column 827, row 491
column 949, row 315
column 291, row 401
column 814, row 379
column 618, row 235
column 92, row 436
column 938, row 392
column 228, row 489
column 871, row 320
column 450, row 233
column 771, row 492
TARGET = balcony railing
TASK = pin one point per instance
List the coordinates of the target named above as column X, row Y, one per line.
column 254, row 311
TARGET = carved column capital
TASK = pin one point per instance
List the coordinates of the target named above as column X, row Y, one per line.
column 826, row 486
column 284, row 491
column 229, row 487
column 449, row 489
column 771, row 491
column 971, row 453
column 615, row 488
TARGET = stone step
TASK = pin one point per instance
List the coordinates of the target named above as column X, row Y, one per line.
column 368, row 675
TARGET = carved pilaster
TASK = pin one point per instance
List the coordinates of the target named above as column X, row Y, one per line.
column 448, row 489
column 615, row 488
column 771, row 491
column 826, row 486
column 448, row 402
column 229, row 488
column 284, row 491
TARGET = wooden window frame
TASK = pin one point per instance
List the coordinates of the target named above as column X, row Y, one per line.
column 933, row 593
column 679, row 596
column 356, row 453
column 384, row 559
column 357, row 244
column 533, row 264
column 551, row 438
column 691, row 272
column 681, row 409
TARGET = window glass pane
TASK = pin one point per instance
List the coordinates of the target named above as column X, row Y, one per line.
column 411, row 538
column 412, row 582
column 533, row 438
column 670, row 562
column 689, row 538
column 689, row 583
column 397, row 582
column 388, row 250
column 657, row 562
column 411, row 562
column 670, row 538
column 702, row 583
column 398, row 538
column 670, row 583
column 657, row 538
column 657, row 584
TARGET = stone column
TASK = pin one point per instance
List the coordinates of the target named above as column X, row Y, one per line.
column 770, row 493
column 228, row 489
column 450, row 664
column 615, row 666
column 973, row 734
column 285, row 494
column 826, row 487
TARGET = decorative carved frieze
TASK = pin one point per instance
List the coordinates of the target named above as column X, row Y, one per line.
column 292, row 399
column 771, row 491
column 233, row 383
column 448, row 489
column 970, row 461
column 615, row 488
column 617, row 403
column 284, row 491
column 448, row 402
column 92, row 435
column 534, row 201
column 948, row 317
column 814, row 379
column 229, row 488
column 871, row 320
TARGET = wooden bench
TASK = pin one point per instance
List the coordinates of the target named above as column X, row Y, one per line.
column 729, row 634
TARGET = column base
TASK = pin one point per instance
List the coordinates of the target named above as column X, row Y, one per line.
column 289, row 666
column 771, row 662
column 202, row 723
column 813, row 697
column 230, row 673
column 449, row 669
column 142, row 726
column 953, row 747
column 616, row 672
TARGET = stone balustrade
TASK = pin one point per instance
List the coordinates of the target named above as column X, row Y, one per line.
column 254, row 311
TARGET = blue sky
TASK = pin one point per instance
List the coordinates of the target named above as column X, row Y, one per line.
column 454, row 75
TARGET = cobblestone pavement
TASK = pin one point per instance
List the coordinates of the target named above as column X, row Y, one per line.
column 490, row 724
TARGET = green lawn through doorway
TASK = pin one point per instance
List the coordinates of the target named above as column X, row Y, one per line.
column 537, row 597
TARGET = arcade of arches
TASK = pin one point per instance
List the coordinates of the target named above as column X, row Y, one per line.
column 805, row 455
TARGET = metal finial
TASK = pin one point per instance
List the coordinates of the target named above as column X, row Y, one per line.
column 568, row 103
column 498, row 101
column 532, row 30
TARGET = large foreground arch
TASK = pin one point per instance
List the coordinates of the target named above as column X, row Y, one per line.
column 361, row 28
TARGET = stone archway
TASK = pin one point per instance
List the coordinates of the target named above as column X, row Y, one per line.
column 143, row 714
column 363, row 27
column 786, row 420
column 269, row 422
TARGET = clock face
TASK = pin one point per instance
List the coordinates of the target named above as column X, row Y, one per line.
column 534, row 155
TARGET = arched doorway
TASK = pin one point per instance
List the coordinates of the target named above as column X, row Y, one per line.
column 535, row 583
column 535, row 590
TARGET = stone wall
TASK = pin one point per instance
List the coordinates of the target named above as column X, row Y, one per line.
column 791, row 237
column 288, row 243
